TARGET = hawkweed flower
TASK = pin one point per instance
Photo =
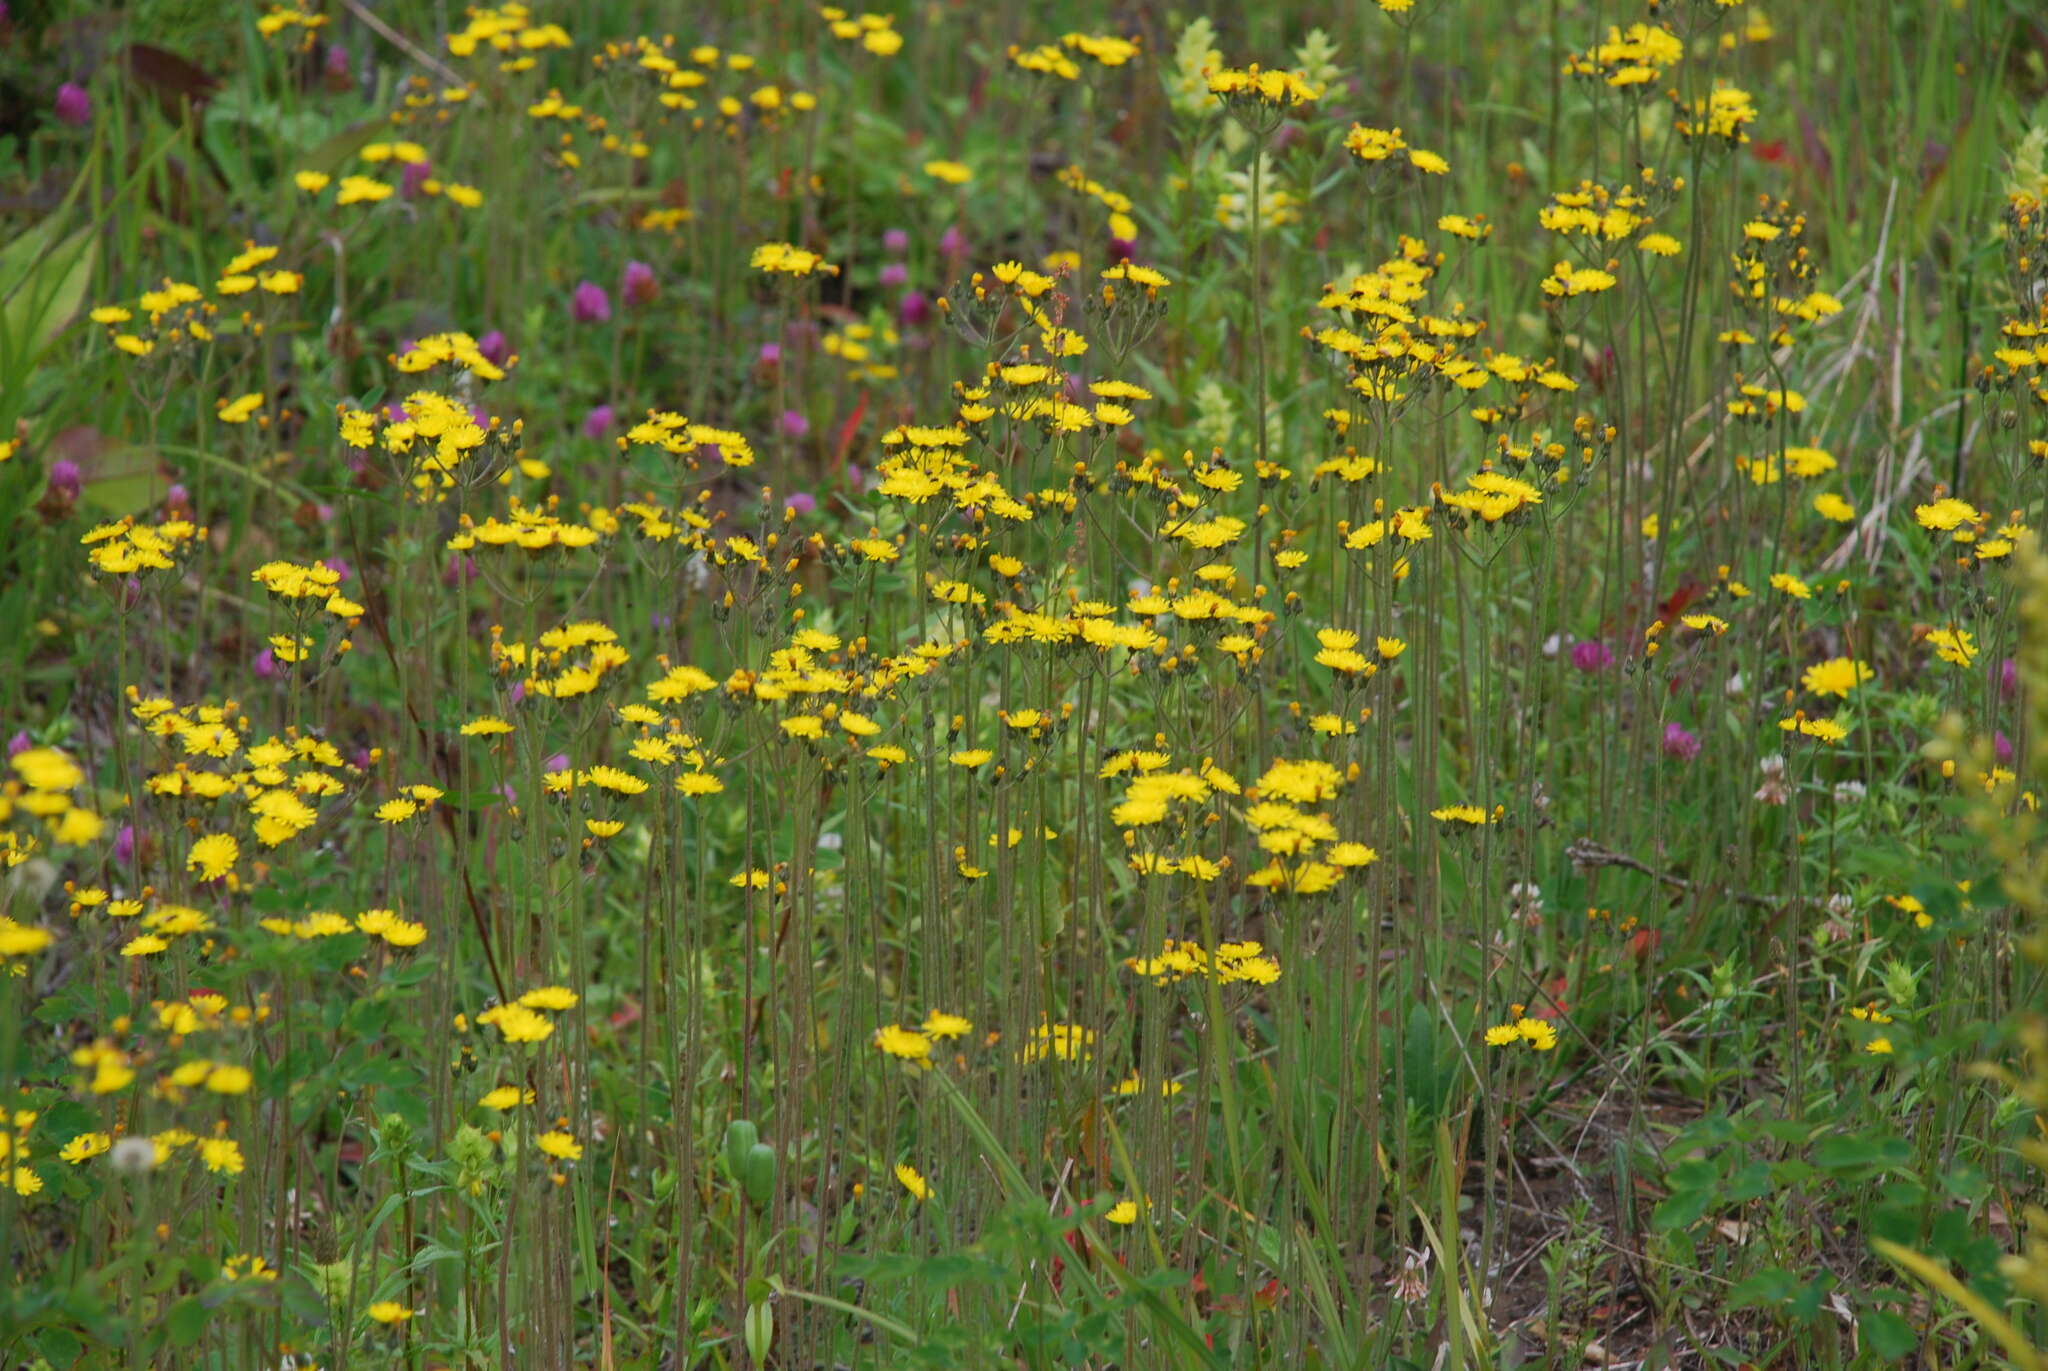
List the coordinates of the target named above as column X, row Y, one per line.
column 1537, row 1033
column 787, row 259
column 1256, row 94
column 1836, row 676
column 903, row 1043
column 907, row 1176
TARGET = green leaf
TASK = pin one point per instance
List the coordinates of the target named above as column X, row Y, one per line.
column 1682, row 1209
column 1887, row 1334
column 43, row 286
column 1855, row 1155
column 338, row 151
column 1751, row 1182
column 186, row 1321
column 59, row 1347
column 126, row 480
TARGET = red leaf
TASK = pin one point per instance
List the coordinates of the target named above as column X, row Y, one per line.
column 847, row 431
column 1680, row 598
column 174, row 80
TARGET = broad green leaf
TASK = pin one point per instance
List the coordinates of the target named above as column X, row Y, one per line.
column 43, row 286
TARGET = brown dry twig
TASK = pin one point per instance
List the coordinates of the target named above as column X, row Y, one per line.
column 1584, row 852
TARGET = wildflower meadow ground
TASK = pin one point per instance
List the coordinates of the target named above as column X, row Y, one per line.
column 1332, row 685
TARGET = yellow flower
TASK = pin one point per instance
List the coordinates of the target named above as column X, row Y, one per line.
column 222, row 1156
column 788, row 260
column 356, row 190
column 952, row 173
column 1836, row 676
column 1953, row 645
column 213, row 856
column 388, row 1312
column 1824, row 730
column 559, row 1146
column 1946, row 514
column 239, row 411
column 1791, row 585
column 1122, row 1212
column 551, row 997
column 939, row 1024
column 517, row 1023
column 85, row 1147
column 920, row 1189
column 396, row 811
column 21, row 940
column 47, row 769
column 905, row 1043
column 229, row 1080
column 505, row 1097
column 1255, row 86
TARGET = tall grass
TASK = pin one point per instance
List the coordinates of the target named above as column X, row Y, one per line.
column 1044, row 688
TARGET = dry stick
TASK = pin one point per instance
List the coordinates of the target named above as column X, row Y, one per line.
column 402, row 43
column 1052, row 1206
column 1586, row 852
column 380, row 629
